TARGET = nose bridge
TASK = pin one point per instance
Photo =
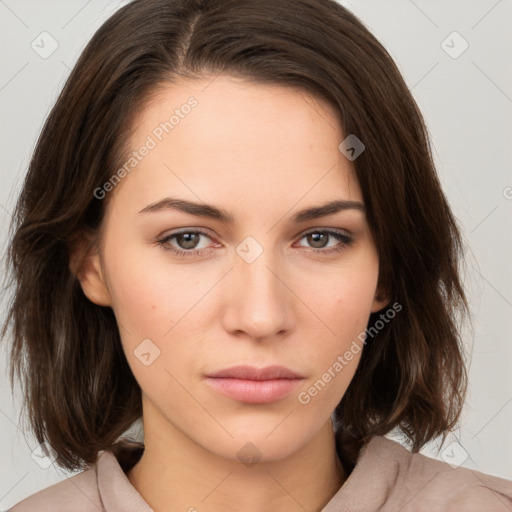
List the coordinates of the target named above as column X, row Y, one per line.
column 258, row 302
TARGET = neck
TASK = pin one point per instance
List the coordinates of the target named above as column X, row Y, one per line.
column 176, row 474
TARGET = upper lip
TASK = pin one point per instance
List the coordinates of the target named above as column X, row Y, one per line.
column 253, row 373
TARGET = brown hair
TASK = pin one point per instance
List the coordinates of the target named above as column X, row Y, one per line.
column 79, row 391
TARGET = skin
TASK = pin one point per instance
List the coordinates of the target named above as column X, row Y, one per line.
column 262, row 153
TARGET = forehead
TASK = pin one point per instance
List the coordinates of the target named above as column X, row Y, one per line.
column 220, row 138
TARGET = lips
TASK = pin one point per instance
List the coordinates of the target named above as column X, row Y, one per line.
column 254, row 385
column 252, row 373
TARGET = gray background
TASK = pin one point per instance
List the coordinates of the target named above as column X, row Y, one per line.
column 467, row 103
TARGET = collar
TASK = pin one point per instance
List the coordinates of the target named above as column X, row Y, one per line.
column 376, row 471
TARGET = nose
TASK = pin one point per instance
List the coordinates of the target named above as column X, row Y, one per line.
column 258, row 302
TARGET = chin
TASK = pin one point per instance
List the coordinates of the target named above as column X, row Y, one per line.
column 253, row 445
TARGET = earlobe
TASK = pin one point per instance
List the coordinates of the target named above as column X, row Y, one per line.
column 89, row 272
column 380, row 301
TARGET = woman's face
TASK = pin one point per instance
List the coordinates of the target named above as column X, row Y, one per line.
column 252, row 283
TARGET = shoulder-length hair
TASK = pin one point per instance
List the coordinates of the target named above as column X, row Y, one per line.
column 79, row 391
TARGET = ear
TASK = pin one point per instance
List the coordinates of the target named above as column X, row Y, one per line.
column 380, row 300
column 85, row 263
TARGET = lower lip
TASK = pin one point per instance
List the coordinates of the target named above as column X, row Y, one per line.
column 254, row 391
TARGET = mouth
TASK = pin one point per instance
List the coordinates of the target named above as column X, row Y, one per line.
column 255, row 385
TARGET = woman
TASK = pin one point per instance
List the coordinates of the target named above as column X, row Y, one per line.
column 232, row 227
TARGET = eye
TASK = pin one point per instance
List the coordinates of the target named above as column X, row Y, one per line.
column 188, row 243
column 319, row 240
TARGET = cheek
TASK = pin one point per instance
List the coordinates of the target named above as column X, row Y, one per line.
column 342, row 301
column 343, row 296
column 148, row 296
column 152, row 307
column 344, row 312
column 160, row 310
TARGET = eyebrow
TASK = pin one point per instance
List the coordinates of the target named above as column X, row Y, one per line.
column 212, row 212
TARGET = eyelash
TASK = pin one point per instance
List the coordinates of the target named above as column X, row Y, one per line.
column 345, row 240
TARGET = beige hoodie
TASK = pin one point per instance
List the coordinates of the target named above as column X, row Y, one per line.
column 386, row 478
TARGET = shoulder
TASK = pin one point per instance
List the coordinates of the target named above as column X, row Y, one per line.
column 78, row 493
column 104, row 486
column 422, row 483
